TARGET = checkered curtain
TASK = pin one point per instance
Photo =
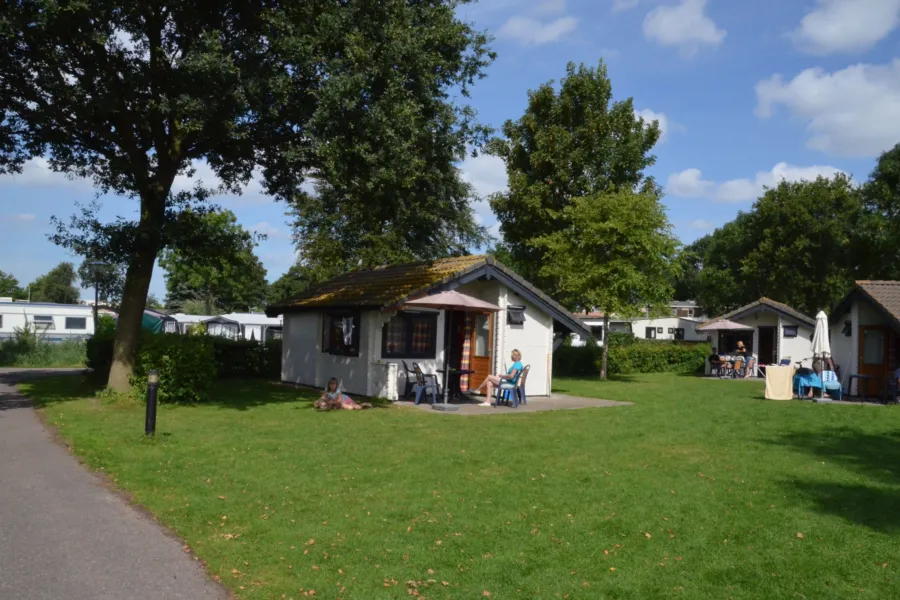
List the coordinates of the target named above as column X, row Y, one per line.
column 396, row 335
column 466, row 352
column 422, row 338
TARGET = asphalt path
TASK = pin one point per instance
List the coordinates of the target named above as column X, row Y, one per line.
column 64, row 535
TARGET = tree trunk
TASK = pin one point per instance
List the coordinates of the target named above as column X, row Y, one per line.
column 134, row 295
column 605, row 344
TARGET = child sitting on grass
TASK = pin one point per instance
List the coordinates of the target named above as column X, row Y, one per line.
column 334, row 398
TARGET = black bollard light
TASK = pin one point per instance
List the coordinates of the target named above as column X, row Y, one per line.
column 152, row 388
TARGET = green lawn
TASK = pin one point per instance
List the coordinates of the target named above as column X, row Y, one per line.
column 700, row 490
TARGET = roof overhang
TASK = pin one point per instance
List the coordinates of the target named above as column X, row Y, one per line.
column 860, row 292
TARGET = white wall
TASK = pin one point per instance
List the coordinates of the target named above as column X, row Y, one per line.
column 532, row 339
column 17, row 315
column 798, row 348
column 844, row 349
column 639, row 327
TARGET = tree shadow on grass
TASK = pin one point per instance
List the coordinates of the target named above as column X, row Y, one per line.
column 46, row 388
column 872, row 456
column 245, row 394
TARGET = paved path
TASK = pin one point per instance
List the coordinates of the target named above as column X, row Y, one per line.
column 64, row 536
column 536, row 404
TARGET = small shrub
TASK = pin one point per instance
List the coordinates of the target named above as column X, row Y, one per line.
column 186, row 366
column 28, row 348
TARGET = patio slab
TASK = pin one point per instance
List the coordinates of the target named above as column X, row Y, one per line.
column 538, row 404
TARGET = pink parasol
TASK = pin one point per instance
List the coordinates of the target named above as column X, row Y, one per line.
column 723, row 325
column 453, row 301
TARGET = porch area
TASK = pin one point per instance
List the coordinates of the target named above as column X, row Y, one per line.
column 537, row 404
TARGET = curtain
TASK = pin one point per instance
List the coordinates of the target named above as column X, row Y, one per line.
column 466, row 353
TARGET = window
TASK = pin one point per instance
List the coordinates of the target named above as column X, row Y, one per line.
column 679, row 333
column 650, row 333
column 42, row 322
column 171, row 327
column 671, row 330
column 790, row 331
column 597, row 332
column 515, row 315
column 1, row 321
column 340, row 333
column 873, row 347
column 410, row 335
column 76, row 323
column 482, row 335
column 659, row 330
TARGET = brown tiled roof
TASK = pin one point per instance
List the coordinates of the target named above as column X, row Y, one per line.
column 777, row 306
column 390, row 286
column 382, row 286
column 885, row 294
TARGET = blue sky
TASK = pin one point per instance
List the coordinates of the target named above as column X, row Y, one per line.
column 746, row 93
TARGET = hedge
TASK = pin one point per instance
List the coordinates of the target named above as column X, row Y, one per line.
column 631, row 356
column 188, row 365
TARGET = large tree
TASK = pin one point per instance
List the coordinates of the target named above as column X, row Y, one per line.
column 803, row 243
column 57, row 285
column 616, row 253
column 9, row 287
column 223, row 276
column 881, row 194
column 294, row 282
column 133, row 94
column 573, row 143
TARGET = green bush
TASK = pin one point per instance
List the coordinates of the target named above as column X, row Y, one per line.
column 657, row 357
column 248, row 359
column 185, row 363
column 28, row 348
column 628, row 355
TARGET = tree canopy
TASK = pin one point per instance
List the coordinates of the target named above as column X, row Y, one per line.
column 616, row 254
column 57, row 285
column 224, row 276
column 9, row 287
column 801, row 244
column 135, row 94
column 577, row 143
column 108, row 278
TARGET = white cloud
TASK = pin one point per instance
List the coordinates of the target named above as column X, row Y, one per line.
column 623, row 5
column 486, row 173
column 18, row 218
column 851, row 112
column 690, row 183
column 701, row 224
column 684, row 25
column 550, row 7
column 252, row 194
column 847, row 25
column 37, row 173
column 534, row 32
column 649, row 116
column 269, row 230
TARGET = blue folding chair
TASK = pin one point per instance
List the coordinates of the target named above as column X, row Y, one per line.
column 514, row 388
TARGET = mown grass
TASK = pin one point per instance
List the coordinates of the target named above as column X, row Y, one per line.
column 700, row 490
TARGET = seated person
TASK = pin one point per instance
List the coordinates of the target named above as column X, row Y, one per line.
column 812, row 383
column 334, row 397
column 492, row 381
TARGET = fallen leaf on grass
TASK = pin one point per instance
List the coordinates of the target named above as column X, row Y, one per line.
column 647, row 535
column 799, row 535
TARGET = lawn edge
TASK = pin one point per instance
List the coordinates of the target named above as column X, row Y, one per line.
column 124, row 495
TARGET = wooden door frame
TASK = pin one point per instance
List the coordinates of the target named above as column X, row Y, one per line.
column 885, row 354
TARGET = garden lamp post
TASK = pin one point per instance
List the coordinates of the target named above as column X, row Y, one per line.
column 96, row 266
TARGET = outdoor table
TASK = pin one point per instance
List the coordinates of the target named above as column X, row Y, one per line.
column 453, row 390
column 862, row 380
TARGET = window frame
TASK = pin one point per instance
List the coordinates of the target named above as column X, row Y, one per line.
column 410, row 317
column 43, row 324
column 679, row 331
column 490, row 322
column 790, row 331
column 83, row 319
column 327, row 327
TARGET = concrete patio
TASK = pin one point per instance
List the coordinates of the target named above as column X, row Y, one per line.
column 541, row 404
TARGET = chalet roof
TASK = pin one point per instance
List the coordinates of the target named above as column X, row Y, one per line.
column 884, row 295
column 778, row 307
column 390, row 286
